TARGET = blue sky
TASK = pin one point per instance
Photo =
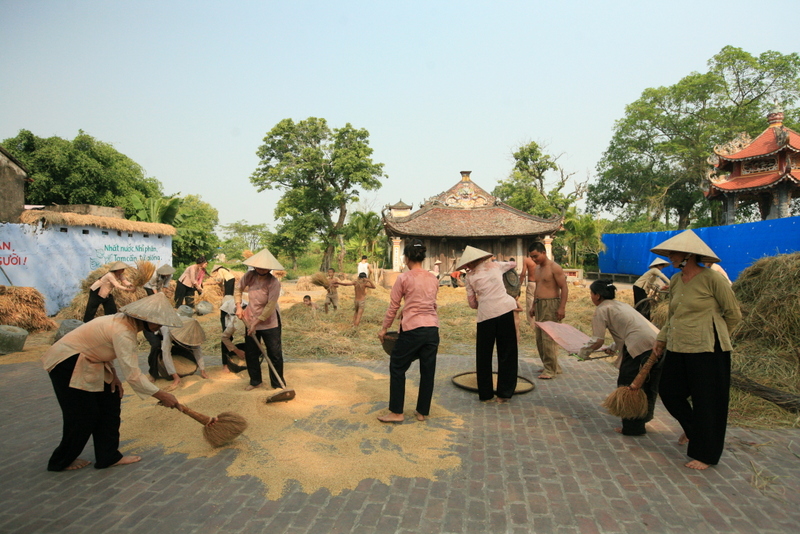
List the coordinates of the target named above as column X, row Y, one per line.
column 189, row 89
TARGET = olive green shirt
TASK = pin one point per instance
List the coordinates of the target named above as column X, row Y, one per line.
column 696, row 308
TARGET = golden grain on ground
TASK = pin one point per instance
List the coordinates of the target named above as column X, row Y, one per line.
column 327, row 437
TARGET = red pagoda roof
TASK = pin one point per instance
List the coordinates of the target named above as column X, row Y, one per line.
column 768, row 143
column 751, row 182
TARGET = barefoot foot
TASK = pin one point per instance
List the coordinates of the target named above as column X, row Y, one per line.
column 251, row 387
column 419, row 416
column 501, row 400
column 391, row 418
column 683, row 440
column 78, row 463
column 696, row 464
column 204, row 374
column 618, row 429
column 125, row 460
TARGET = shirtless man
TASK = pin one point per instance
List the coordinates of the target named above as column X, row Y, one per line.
column 332, row 297
column 360, row 300
column 550, row 304
column 528, row 277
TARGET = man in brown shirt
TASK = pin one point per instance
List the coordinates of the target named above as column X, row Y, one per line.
column 550, row 304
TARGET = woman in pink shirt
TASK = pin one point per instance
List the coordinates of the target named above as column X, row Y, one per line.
column 100, row 291
column 419, row 334
column 487, row 293
column 190, row 281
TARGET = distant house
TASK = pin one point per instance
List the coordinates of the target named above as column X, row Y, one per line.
column 465, row 215
column 13, row 176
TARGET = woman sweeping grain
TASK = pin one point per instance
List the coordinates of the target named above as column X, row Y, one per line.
column 487, row 294
column 228, row 281
column 185, row 341
column 702, row 313
column 100, row 291
column 86, row 384
column 634, row 336
column 419, row 334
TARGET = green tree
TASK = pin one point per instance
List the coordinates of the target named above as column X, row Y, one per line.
column 293, row 237
column 81, row 171
column 195, row 231
column 656, row 162
column 582, row 236
column 319, row 171
column 165, row 210
column 254, row 237
column 365, row 235
column 526, row 187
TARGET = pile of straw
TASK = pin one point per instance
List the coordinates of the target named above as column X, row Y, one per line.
column 304, row 284
column 143, row 273
column 23, row 307
column 213, row 289
column 766, row 341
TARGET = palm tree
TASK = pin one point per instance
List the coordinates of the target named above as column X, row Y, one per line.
column 365, row 234
column 583, row 235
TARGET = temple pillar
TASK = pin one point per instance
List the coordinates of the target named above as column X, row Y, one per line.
column 520, row 257
column 548, row 246
column 729, row 202
column 397, row 255
column 781, row 201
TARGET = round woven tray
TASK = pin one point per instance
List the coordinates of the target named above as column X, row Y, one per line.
column 469, row 381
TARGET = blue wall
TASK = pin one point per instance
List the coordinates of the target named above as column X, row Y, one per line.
column 737, row 245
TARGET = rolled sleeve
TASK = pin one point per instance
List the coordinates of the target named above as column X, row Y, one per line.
column 126, row 349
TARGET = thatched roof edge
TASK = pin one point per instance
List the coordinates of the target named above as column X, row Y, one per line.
column 111, row 223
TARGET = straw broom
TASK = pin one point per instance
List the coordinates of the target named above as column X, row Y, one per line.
column 630, row 402
column 218, row 430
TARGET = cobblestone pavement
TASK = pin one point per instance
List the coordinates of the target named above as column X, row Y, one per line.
column 547, row 462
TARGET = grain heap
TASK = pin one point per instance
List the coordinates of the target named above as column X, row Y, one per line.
column 327, row 437
column 23, row 307
column 77, row 307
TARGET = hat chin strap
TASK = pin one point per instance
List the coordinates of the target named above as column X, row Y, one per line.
column 682, row 264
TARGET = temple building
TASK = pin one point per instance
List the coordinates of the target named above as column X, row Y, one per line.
column 765, row 170
column 465, row 215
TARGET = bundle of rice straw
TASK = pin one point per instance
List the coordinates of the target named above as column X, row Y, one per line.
column 213, row 289
column 23, row 307
column 143, row 273
column 247, row 253
column 280, row 275
column 320, row 279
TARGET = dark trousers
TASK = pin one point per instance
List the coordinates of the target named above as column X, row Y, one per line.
column 184, row 292
column 154, row 339
column 149, row 291
column 223, row 317
column 95, row 301
column 640, row 294
column 705, row 377
column 272, row 339
column 85, row 413
column 500, row 330
column 418, row 344
column 628, row 370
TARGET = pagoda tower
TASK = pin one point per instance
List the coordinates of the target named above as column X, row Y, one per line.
column 765, row 170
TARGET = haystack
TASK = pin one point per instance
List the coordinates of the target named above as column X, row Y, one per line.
column 23, row 307
column 767, row 341
column 304, row 284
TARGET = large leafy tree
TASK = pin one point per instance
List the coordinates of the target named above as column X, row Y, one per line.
column 656, row 162
column 196, row 231
column 526, row 189
column 320, row 170
column 81, row 171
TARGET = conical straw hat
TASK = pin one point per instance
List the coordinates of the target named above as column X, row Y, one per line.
column 471, row 254
column 165, row 269
column 687, row 242
column 658, row 261
column 153, row 309
column 263, row 260
column 190, row 334
column 117, row 265
column 228, row 305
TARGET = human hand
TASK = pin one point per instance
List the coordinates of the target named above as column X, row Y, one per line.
column 658, row 348
column 116, row 385
column 560, row 314
column 382, row 334
column 166, row 399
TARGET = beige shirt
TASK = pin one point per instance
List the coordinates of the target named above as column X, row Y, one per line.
column 649, row 279
column 486, row 292
column 193, row 276
column 627, row 326
column 99, row 342
column 698, row 307
column 107, row 283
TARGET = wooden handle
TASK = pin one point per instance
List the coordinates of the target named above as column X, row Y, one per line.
column 643, row 372
column 197, row 416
